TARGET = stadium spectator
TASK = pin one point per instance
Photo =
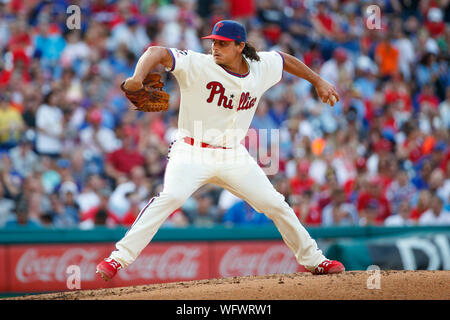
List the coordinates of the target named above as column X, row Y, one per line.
column 325, row 191
column 58, row 216
column 76, row 51
column 11, row 123
column 339, row 211
column 306, row 208
column 400, row 190
column 99, row 215
column 302, row 181
column 19, row 43
column 434, row 22
column 387, row 57
column 7, row 207
column 365, row 78
column 436, row 215
column 226, row 201
column 22, row 218
column 424, row 69
column 64, row 121
column 137, row 186
column 154, row 163
column 369, row 213
column 9, row 178
column 121, row 161
column 51, row 178
column 326, row 27
column 427, row 100
column 401, row 216
column 122, row 32
column 133, row 211
column 422, row 204
column 423, row 174
column 241, row 213
column 339, row 69
column 278, row 112
column 319, row 164
column 205, row 214
column 351, row 185
column 48, row 45
column 49, row 125
column 299, row 25
column 263, row 119
column 242, row 9
column 372, row 203
column 96, row 138
column 436, row 181
column 38, row 207
column 71, row 211
column 176, row 219
column 88, row 197
column 406, row 55
column 271, row 16
column 24, row 160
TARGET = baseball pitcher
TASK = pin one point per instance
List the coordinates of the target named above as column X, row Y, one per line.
column 219, row 94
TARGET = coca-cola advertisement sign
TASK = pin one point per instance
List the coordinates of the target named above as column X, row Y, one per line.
column 40, row 268
column 46, row 267
column 162, row 262
column 254, row 258
column 3, row 270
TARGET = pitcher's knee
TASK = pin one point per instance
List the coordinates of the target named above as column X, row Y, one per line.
column 174, row 199
column 272, row 209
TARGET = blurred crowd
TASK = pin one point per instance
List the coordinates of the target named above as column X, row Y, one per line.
column 74, row 155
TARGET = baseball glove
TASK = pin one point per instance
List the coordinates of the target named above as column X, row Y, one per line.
column 151, row 97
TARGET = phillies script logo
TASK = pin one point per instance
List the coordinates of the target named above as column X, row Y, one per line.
column 245, row 101
column 276, row 259
column 33, row 267
column 176, row 262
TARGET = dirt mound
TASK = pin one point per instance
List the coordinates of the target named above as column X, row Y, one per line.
column 360, row 285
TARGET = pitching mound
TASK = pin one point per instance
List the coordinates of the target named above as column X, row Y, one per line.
column 393, row 285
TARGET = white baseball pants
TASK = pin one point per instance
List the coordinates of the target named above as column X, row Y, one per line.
column 189, row 168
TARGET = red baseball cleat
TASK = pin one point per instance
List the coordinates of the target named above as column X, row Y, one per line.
column 108, row 268
column 329, row 267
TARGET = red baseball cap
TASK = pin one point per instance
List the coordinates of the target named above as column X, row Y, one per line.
column 95, row 116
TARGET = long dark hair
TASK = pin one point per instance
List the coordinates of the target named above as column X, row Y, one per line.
column 249, row 51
